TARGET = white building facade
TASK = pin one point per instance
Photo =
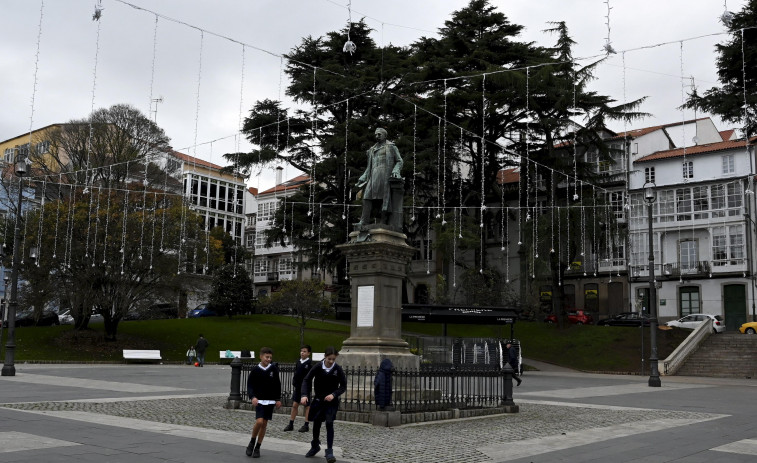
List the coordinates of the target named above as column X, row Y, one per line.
column 703, row 231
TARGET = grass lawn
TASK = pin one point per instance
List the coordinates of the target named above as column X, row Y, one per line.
column 585, row 347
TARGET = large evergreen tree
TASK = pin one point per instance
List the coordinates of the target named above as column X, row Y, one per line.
column 736, row 98
column 460, row 107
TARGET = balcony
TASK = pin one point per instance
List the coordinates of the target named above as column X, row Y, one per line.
column 612, row 265
column 272, row 276
column 698, row 269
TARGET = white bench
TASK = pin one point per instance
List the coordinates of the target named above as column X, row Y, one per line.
column 317, row 356
column 141, row 354
column 236, row 353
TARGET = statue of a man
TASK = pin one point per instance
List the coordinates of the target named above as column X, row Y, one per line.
column 384, row 166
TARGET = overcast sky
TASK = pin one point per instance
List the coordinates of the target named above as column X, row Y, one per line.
column 65, row 63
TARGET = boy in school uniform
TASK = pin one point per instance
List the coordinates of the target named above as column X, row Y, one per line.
column 329, row 382
column 264, row 388
column 302, row 369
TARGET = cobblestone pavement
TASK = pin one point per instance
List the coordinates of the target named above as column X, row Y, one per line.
column 438, row 441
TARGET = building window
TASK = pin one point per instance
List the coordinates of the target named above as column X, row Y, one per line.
column 689, row 300
column 249, row 240
column 285, row 265
column 701, row 202
column 687, row 254
column 649, row 174
column 728, row 245
column 683, row 203
column 42, row 147
column 688, row 169
column 266, row 211
column 8, row 155
column 261, row 267
column 728, row 167
column 666, row 206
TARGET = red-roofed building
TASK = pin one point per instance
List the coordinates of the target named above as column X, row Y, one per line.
column 216, row 195
column 703, row 231
column 273, row 264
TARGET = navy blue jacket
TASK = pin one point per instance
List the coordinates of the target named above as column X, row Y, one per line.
column 334, row 382
column 382, row 384
column 300, row 372
column 264, row 384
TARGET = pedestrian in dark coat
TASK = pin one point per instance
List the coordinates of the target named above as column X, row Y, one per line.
column 382, row 384
column 201, row 346
column 512, row 359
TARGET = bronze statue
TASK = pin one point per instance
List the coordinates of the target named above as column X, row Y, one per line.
column 383, row 186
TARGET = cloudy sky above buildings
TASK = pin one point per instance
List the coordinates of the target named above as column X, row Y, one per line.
column 663, row 47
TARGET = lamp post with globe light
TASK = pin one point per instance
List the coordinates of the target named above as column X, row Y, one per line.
column 9, row 368
column 650, row 196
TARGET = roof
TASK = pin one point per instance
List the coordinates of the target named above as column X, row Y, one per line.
column 646, row 130
column 196, row 161
column 292, row 184
column 727, row 134
column 253, row 191
column 511, row 175
column 694, row 150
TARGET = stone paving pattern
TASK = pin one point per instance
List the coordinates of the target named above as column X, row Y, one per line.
column 379, row 445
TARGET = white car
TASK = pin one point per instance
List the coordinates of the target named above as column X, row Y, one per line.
column 692, row 322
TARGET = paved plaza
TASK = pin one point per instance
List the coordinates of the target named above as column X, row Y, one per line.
column 174, row 413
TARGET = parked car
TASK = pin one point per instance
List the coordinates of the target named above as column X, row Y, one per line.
column 626, row 319
column 65, row 318
column 577, row 317
column 692, row 322
column 29, row 318
column 202, row 310
column 748, row 328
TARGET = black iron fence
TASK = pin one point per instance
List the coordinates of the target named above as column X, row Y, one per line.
column 430, row 388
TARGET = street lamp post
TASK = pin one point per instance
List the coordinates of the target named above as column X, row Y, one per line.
column 9, row 368
column 650, row 196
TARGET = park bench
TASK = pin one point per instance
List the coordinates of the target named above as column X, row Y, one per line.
column 235, row 353
column 142, row 355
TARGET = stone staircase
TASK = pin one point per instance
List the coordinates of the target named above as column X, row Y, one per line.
column 725, row 355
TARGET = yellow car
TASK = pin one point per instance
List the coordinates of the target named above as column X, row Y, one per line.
column 748, row 328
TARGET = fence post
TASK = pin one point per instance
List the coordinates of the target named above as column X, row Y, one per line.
column 507, row 386
column 453, row 398
column 235, row 396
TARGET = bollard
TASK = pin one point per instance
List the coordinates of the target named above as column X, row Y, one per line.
column 507, row 372
column 236, row 380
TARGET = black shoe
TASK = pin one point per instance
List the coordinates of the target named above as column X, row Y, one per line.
column 290, row 427
column 256, row 452
column 315, row 447
column 330, row 456
column 304, row 428
column 519, row 381
column 249, row 449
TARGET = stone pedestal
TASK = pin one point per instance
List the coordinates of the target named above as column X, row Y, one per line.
column 377, row 260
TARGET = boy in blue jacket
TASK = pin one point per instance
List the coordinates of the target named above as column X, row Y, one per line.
column 329, row 382
column 264, row 389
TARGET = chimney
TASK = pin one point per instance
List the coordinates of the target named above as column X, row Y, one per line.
column 279, row 171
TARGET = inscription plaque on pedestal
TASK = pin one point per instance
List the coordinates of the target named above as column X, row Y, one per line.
column 365, row 306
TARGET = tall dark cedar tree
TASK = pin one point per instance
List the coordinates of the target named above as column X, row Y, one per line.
column 313, row 141
column 727, row 101
column 444, row 77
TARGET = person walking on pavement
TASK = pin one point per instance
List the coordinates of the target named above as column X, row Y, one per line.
column 512, row 359
column 201, row 346
column 264, row 390
column 328, row 383
column 302, row 369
